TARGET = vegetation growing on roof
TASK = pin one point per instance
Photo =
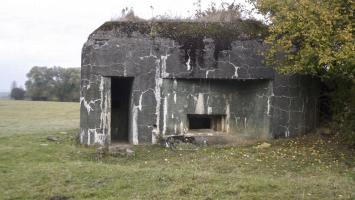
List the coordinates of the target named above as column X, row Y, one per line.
column 222, row 21
column 127, row 14
column 225, row 13
column 190, row 35
column 238, row 30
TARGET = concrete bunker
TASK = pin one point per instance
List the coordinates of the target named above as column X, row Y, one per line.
column 143, row 81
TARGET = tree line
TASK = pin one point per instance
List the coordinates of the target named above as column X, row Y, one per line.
column 50, row 84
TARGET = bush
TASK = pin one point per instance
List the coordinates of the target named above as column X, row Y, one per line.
column 343, row 109
column 17, row 93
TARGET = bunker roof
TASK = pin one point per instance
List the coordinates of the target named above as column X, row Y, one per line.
column 174, row 29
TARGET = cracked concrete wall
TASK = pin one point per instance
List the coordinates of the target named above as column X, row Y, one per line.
column 294, row 105
column 105, row 56
column 175, row 75
column 95, row 111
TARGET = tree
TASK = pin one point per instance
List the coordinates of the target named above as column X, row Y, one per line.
column 67, row 84
column 310, row 36
column 54, row 84
column 13, row 85
column 40, row 83
column 17, row 93
column 315, row 37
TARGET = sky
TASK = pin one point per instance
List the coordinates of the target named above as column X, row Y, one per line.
column 52, row 32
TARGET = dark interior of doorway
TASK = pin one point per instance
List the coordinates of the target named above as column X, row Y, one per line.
column 121, row 90
column 199, row 122
column 213, row 122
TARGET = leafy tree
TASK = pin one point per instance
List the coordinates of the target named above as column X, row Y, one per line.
column 310, row 36
column 54, row 84
column 40, row 84
column 315, row 37
column 17, row 93
column 67, row 84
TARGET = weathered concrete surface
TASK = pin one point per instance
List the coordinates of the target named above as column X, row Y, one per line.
column 294, row 108
column 241, row 102
column 181, row 68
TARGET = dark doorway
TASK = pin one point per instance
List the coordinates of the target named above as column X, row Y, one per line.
column 199, row 122
column 213, row 122
column 120, row 103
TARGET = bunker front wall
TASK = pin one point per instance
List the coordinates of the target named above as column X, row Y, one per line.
column 174, row 76
column 241, row 103
column 118, row 57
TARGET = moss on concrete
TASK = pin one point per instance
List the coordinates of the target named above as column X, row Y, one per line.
column 242, row 30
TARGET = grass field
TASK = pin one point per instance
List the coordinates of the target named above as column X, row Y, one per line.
column 26, row 117
column 31, row 167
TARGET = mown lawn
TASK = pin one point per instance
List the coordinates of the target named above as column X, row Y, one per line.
column 31, row 167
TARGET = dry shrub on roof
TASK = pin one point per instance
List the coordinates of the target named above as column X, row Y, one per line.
column 127, row 14
column 226, row 12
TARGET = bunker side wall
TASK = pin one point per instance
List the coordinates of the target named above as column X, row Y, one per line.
column 295, row 108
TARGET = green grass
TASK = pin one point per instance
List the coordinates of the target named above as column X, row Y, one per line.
column 26, row 117
column 309, row 167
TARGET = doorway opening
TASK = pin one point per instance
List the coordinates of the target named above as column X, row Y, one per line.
column 121, row 91
column 212, row 122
